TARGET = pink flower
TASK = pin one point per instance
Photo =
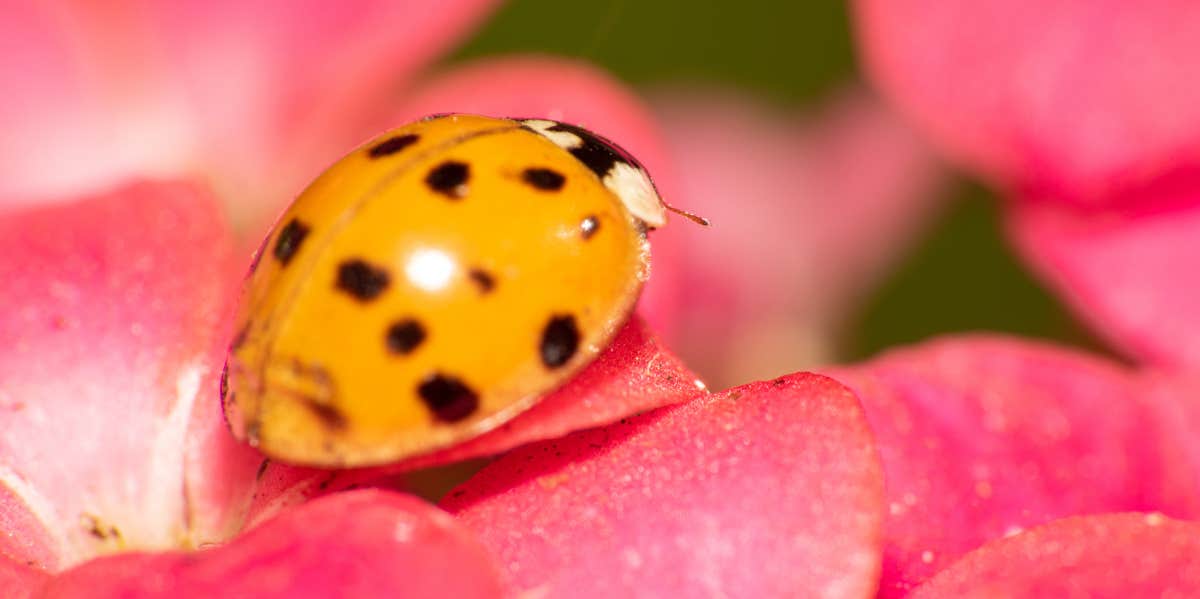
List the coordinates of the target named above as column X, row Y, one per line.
column 118, row 478
column 1088, row 115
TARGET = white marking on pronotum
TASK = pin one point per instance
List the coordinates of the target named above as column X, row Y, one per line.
column 563, row 139
column 633, row 186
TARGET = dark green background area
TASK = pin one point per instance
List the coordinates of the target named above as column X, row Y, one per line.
column 961, row 277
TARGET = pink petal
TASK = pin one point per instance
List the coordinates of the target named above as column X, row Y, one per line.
column 771, row 489
column 981, row 437
column 635, row 374
column 360, row 544
column 113, row 326
column 1113, row 555
column 1132, row 276
column 573, row 92
column 18, row 580
column 1075, row 100
column 839, row 193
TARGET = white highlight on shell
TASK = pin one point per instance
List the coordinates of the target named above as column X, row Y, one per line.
column 429, row 269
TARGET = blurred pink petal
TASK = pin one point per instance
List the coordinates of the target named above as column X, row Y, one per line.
column 1108, row 556
column 113, row 324
column 1089, row 113
column 982, row 437
column 771, row 489
column 1172, row 399
column 574, row 92
column 635, row 374
column 17, row 580
column 807, row 212
column 1073, row 99
column 1132, row 276
column 281, row 88
column 258, row 96
column 73, row 121
column 359, row 544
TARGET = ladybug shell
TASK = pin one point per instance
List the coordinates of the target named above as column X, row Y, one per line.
column 433, row 284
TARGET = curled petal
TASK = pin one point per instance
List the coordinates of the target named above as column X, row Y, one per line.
column 1107, row 556
column 112, row 327
column 1131, row 276
column 365, row 543
column 982, row 437
column 1076, row 100
column 768, row 490
column 635, row 374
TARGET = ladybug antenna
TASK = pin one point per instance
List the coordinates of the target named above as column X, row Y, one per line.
column 696, row 218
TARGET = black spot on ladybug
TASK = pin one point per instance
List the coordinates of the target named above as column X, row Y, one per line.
column 449, row 179
column 392, row 145
column 290, row 238
column 361, row 280
column 483, row 280
column 447, row 397
column 262, row 469
column 330, row 416
column 544, row 179
column 595, row 152
column 589, row 226
column 560, row 339
column 404, row 336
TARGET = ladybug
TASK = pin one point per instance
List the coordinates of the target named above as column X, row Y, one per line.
column 433, row 284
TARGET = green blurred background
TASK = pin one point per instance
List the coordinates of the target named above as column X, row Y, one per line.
column 961, row 276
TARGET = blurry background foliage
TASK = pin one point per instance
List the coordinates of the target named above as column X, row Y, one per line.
column 960, row 277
